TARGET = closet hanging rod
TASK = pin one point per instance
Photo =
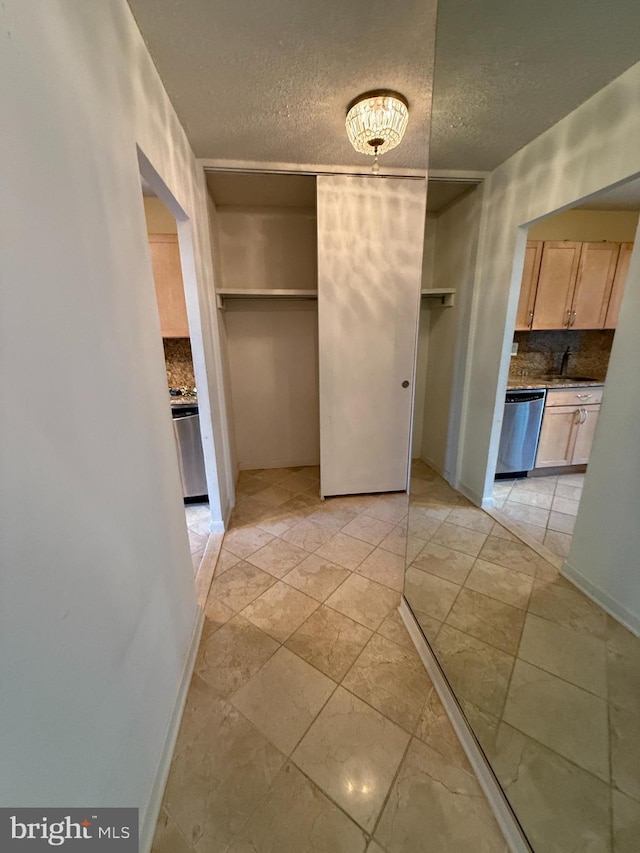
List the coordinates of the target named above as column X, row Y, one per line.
column 280, row 294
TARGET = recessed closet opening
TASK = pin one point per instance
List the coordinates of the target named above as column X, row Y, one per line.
column 265, row 251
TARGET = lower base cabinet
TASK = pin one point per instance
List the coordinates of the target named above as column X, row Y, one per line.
column 567, row 430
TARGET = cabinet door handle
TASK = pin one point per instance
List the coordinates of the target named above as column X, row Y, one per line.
column 584, row 396
column 584, row 415
column 573, row 318
column 530, row 319
column 568, row 317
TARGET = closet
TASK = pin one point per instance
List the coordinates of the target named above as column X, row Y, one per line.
column 318, row 286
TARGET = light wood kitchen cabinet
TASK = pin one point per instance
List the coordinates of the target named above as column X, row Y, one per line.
column 619, row 282
column 594, row 281
column 167, row 276
column 556, row 285
column 530, row 274
column 571, row 285
column 568, row 427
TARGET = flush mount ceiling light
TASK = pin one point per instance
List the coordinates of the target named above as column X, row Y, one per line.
column 376, row 122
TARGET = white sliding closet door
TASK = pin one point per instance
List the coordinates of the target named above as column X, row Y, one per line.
column 370, row 236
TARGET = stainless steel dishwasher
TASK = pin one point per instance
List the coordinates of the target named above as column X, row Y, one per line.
column 520, row 431
column 186, row 428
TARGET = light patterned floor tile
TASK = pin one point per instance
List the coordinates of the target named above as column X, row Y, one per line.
column 329, row 641
column 345, row 550
column 167, row 838
column 507, row 585
column 459, row 538
column 436, row 800
column 245, row 541
column 308, row 535
column 283, row 697
column 238, row 586
column 561, row 522
column 392, row 679
column 488, row 619
column 396, row 541
column 428, row 593
column 453, row 566
column 278, row 557
column 563, row 807
column 352, row 753
column 316, row 577
column 315, row 825
column 471, row 517
column 561, row 716
column 365, row 601
column 383, row 567
column 528, row 514
column 228, row 658
column 280, row 610
column 626, row 823
column 220, row 776
column 393, row 628
column 369, row 529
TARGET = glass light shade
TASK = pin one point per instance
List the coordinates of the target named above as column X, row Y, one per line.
column 377, row 120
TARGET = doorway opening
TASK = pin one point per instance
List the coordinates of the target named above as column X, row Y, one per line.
column 168, row 264
column 574, row 275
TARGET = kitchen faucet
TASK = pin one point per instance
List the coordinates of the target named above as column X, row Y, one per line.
column 564, row 364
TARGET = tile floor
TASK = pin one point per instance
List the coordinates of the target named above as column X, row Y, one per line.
column 548, row 681
column 311, row 725
column 198, row 526
column 544, row 507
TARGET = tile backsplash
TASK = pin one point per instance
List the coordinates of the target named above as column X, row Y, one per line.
column 540, row 353
column 177, row 356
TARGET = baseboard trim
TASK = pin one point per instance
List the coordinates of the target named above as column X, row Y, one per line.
column 475, row 497
column 279, row 463
column 150, row 818
column 620, row 613
column 502, row 811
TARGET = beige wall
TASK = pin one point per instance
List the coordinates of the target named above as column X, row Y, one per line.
column 618, row 226
column 266, row 247
column 271, row 348
column 159, row 219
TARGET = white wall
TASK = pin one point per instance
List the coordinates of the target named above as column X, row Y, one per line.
column 454, row 259
column 98, row 601
column 592, row 148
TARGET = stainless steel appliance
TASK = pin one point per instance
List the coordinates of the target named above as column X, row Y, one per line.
column 186, row 428
column 520, row 431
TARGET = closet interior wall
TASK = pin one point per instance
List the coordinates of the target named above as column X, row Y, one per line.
column 271, row 343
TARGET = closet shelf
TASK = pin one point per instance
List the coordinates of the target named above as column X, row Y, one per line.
column 446, row 295
column 262, row 293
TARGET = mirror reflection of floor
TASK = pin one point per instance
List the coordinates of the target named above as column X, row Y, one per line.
column 549, row 682
column 198, row 518
column 544, row 507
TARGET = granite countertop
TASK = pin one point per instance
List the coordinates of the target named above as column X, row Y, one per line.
column 520, row 382
column 184, row 400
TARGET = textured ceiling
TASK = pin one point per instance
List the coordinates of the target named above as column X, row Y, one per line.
column 506, row 70
column 271, row 81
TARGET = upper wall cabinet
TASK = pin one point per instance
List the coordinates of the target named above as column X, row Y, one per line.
column 593, row 285
column 530, row 273
column 167, row 275
column 570, row 285
column 619, row 282
column 556, row 285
